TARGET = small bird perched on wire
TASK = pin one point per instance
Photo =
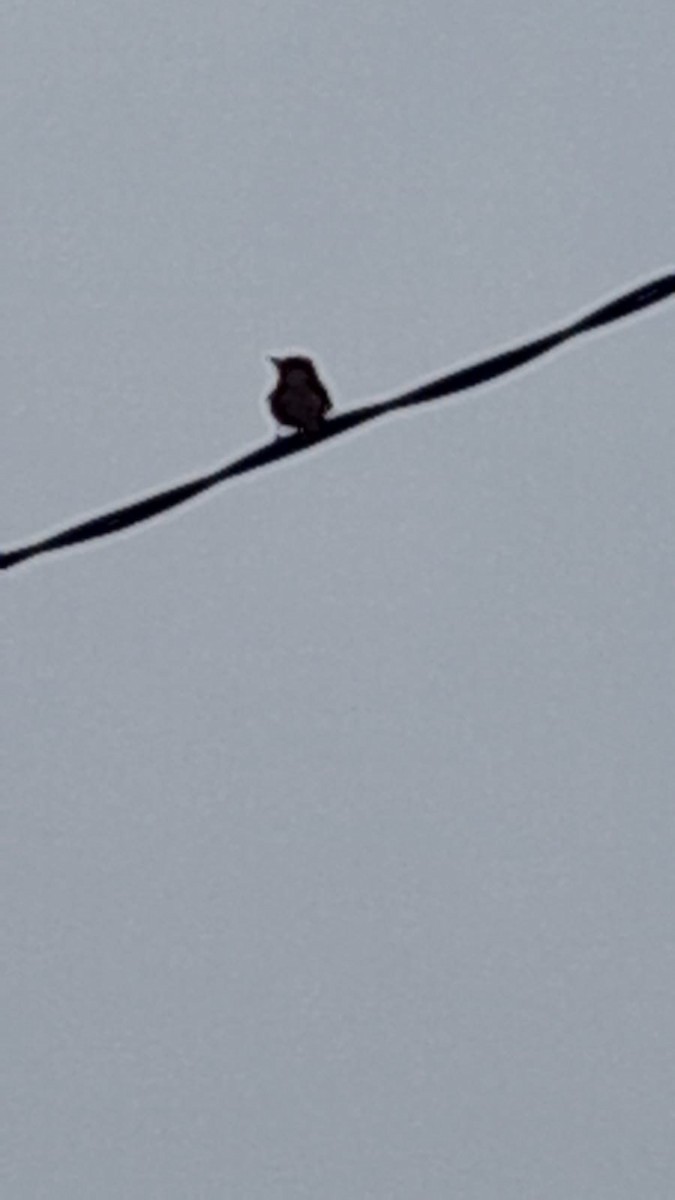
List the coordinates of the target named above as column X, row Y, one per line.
column 299, row 399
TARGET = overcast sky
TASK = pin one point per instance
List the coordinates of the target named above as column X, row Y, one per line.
column 337, row 834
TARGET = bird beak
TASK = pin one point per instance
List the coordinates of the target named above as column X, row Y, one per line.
column 276, row 361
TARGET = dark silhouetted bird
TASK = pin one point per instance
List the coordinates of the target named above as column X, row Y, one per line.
column 299, row 399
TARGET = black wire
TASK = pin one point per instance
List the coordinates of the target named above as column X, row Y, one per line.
column 447, row 385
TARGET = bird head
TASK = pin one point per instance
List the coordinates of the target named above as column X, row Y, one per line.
column 294, row 363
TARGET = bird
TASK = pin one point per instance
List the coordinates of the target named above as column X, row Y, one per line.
column 299, row 400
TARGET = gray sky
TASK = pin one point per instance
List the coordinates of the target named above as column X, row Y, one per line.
column 337, row 834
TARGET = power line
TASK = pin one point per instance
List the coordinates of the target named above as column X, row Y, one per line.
column 447, row 385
